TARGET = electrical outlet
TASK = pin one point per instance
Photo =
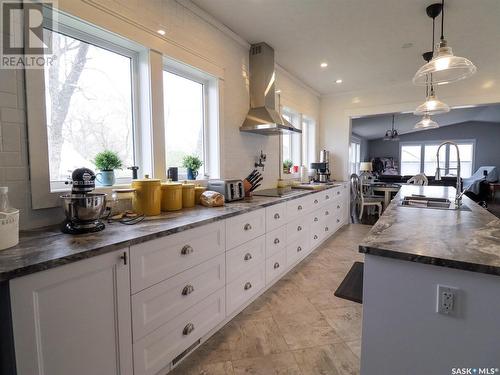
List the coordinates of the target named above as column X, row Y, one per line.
column 446, row 300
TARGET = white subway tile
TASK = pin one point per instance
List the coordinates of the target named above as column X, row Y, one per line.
column 11, row 137
column 12, row 115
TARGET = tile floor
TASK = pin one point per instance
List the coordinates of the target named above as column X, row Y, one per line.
column 297, row 327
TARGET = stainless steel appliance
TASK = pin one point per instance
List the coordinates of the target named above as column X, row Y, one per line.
column 232, row 190
column 322, row 168
column 83, row 208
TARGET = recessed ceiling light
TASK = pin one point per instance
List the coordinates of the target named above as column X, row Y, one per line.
column 338, row 81
column 323, row 64
column 161, row 32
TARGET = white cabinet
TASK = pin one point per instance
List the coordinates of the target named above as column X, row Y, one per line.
column 275, row 266
column 275, row 216
column 244, row 257
column 74, row 319
column 275, row 241
column 245, row 287
column 243, row 228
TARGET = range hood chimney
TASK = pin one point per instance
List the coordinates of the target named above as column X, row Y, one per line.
column 263, row 117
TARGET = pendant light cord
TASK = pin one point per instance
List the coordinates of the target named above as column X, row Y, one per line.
column 442, row 19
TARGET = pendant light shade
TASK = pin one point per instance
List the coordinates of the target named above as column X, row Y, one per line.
column 432, row 106
column 444, row 68
column 426, row 123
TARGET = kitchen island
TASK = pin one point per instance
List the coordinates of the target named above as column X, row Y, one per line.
column 409, row 253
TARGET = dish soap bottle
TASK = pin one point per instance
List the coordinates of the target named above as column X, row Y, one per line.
column 9, row 221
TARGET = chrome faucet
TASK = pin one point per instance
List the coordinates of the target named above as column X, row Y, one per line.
column 459, row 193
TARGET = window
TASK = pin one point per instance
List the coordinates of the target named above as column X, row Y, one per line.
column 88, row 104
column 354, row 156
column 421, row 158
column 410, row 159
column 308, row 141
column 292, row 143
column 190, row 100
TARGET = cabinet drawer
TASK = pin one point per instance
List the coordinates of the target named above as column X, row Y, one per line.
column 155, row 351
column 160, row 259
column 317, row 234
column 327, row 195
column 275, row 241
column 162, row 302
column 275, row 266
column 275, row 216
column 245, row 287
column 297, row 207
column 244, row 257
column 243, row 228
column 317, row 200
column 297, row 228
column 297, row 250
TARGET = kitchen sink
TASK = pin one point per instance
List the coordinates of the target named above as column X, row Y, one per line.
column 421, row 201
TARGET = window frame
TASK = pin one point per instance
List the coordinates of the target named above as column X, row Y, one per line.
column 356, row 152
column 296, row 143
column 446, row 161
column 45, row 193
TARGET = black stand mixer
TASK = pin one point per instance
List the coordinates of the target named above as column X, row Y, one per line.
column 83, row 208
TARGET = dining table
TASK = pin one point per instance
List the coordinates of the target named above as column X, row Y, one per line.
column 387, row 188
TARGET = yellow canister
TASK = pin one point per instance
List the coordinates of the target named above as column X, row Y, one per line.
column 171, row 196
column 147, row 198
column 187, row 195
column 198, row 190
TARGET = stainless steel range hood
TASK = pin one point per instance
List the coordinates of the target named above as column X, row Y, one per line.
column 263, row 117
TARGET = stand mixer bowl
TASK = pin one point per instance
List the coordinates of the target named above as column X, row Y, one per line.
column 84, row 208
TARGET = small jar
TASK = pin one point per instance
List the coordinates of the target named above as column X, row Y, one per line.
column 188, row 195
column 171, row 196
column 198, row 191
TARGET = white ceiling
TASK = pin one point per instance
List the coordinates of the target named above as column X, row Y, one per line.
column 360, row 39
column 374, row 127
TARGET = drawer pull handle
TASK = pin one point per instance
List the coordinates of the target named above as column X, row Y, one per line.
column 327, row 213
column 276, row 265
column 338, row 220
column 187, row 250
column 315, row 237
column 188, row 289
column 299, row 249
column 326, row 229
column 124, row 258
column 247, row 227
column 247, row 256
column 299, row 228
column 338, row 206
column 327, row 197
column 188, row 329
column 276, row 216
column 276, row 241
column 316, row 201
column 248, row 285
column 338, row 192
column 299, row 207
column 315, row 219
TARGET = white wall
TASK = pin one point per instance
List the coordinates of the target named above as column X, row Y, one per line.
column 191, row 39
column 336, row 110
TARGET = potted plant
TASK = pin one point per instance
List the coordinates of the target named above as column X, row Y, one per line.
column 287, row 164
column 107, row 161
column 192, row 163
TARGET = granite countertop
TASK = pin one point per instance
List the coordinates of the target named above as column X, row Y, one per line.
column 462, row 239
column 46, row 248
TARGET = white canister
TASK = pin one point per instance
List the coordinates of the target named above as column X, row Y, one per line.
column 9, row 228
column 304, row 174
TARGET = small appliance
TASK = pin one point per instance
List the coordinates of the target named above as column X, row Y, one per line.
column 322, row 168
column 83, row 208
column 232, row 190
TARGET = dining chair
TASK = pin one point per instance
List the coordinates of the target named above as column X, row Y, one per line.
column 419, row 179
column 361, row 199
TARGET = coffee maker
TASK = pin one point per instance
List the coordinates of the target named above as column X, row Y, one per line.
column 82, row 207
column 322, row 168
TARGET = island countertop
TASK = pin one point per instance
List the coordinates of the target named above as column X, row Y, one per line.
column 46, row 248
column 463, row 239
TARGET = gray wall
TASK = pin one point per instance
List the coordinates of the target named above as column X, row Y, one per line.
column 486, row 134
column 364, row 147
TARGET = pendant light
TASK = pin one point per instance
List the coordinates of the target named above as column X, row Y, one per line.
column 444, row 66
column 391, row 134
column 426, row 123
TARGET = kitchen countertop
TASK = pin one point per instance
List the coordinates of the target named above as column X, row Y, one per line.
column 47, row 247
column 462, row 239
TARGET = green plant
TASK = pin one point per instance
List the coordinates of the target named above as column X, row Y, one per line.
column 107, row 161
column 287, row 164
column 192, row 162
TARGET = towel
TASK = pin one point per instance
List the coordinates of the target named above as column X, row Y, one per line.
column 473, row 182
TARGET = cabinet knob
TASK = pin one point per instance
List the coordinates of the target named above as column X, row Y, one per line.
column 327, row 197
column 299, row 249
column 316, row 201
column 327, row 213
column 186, row 250
column 338, row 206
column 276, row 216
column 276, row 241
column 326, row 229
column 188, row 329
column 338, row 192
column 315, row 219
column 299, row 228
column 315, row 237
column 247, row 227
column 247, row 256
column 248, row 285
column 299, row 207
column 276, row 265
column 338, row 220
column 188, row 289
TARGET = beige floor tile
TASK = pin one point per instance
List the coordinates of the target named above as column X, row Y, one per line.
column 306, row 329
column 214, row 350
column 191, row 367
column 277, row 364
column 258, row 309
column 288, row 300
column 336, row 359
column 346, row 321
column 355, row 346
column 325, row 300
column 254, row 338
